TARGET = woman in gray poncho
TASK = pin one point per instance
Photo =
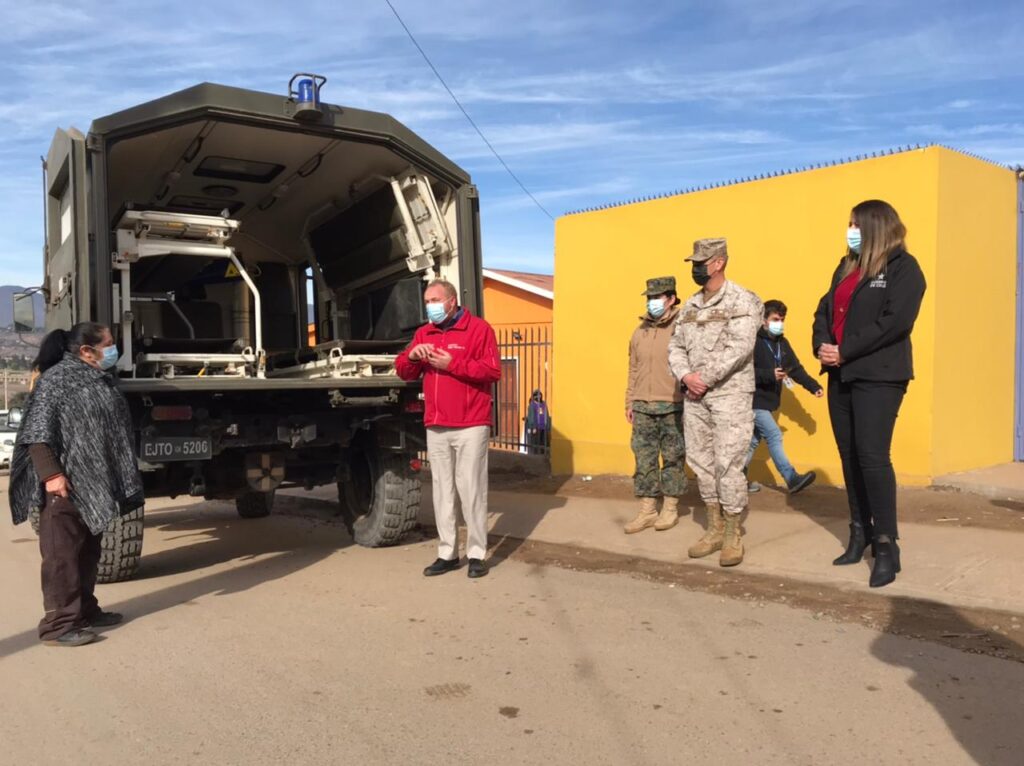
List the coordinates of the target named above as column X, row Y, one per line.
column 74, row 459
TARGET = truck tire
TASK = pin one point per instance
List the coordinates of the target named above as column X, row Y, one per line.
column 382, row 498
column 255, row 505
column 121, row 548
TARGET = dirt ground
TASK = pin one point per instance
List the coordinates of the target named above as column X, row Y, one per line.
column 979, row 630
column 916, row 505
column 276, row 640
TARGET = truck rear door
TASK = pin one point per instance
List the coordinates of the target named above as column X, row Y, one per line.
column 66, row 268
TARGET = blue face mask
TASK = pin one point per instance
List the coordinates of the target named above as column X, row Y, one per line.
column 853, row 239
column 436, row 312
column 655, row 307
column 109, row 359
column 775, row 327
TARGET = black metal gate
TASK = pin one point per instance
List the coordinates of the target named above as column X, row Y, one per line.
column 522, row 420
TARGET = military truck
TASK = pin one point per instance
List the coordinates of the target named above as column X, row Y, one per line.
column 261, row 260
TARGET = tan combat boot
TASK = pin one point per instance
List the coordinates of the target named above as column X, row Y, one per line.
column 645, row 518
column 669, row 515
column 712, row 539
column 732, row 546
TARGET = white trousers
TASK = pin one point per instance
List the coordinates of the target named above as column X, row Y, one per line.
column 458, row 461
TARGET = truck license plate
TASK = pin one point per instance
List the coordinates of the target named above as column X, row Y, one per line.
column 168, row 448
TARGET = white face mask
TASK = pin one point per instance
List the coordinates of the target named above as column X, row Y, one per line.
column 853, row 239
column 655, row 307
column 436, row 312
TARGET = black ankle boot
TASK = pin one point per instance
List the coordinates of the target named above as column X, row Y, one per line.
column 887, row 564
column 859, row 539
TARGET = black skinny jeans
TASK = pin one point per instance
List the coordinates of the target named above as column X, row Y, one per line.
column 863, row 415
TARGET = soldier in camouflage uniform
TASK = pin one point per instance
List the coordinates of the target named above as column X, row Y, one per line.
column 654, row 406
column 712, row 354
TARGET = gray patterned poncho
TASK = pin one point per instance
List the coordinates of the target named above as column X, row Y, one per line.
column 78, row 412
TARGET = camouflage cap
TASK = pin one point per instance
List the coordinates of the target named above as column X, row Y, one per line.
column 660, row 285
column 706, row 249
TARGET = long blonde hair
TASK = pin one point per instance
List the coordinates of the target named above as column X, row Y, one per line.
column 882, row 233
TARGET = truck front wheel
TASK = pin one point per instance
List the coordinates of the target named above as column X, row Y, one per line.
column 121, row 548
column 255, row 505
column 381, row 499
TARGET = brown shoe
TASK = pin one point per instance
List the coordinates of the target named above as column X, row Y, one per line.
column 732, row 545
column 712, row 539
column 645, row 518
column 669, row 515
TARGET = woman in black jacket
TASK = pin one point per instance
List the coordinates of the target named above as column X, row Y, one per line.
column 862, row 337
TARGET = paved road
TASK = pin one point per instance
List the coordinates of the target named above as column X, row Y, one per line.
column 276, row 641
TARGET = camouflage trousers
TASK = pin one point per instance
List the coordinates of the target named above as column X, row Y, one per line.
column 659, row 449
column 718, row 432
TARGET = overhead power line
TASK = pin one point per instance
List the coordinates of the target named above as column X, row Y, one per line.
column 465, row 113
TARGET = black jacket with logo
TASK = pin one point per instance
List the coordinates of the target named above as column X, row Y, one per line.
column 771, row 352
column 876, row 337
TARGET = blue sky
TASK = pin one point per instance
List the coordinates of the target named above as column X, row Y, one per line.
column 589, row 102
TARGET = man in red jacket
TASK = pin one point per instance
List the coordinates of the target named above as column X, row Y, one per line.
column 457, row 355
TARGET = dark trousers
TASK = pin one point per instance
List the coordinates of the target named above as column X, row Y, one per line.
column 71, row 556
column 863, row 415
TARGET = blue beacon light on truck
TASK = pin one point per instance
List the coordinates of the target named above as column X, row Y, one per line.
column 304, row 92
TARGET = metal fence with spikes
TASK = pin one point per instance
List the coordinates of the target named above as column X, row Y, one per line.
column 776, row 174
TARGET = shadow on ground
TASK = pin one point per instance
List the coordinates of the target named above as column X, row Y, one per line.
column 1010, row 505
column 256, row 551
column 987, row 721
column 509, row 526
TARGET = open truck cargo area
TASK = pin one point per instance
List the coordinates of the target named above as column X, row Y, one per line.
column 261, row 260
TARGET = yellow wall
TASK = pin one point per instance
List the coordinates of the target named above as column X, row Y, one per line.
column 976, row 319
column 786, row 235
column 507, row 305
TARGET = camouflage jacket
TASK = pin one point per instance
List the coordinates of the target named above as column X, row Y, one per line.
column 717, row 339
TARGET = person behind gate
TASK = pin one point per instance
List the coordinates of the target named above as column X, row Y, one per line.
column 74, row 459
column 775, row 366
column 537, row 424
column 654, row 407
column 456, row 354
column 712, row 354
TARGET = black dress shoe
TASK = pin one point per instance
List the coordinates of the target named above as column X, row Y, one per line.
column 76, row 637
column 887, row 564
column 802, row 481
column 477, row 568
column 440, row 566
column 104, row 619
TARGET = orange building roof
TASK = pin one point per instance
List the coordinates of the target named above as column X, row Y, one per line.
column 538, row 284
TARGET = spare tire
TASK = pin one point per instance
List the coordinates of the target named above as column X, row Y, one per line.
column 381, row 497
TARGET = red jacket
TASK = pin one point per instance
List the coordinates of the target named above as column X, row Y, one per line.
column 460, row 396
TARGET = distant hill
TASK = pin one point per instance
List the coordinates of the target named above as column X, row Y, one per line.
column 7, row 306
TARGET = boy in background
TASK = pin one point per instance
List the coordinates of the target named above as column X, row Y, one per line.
column 775, row 366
